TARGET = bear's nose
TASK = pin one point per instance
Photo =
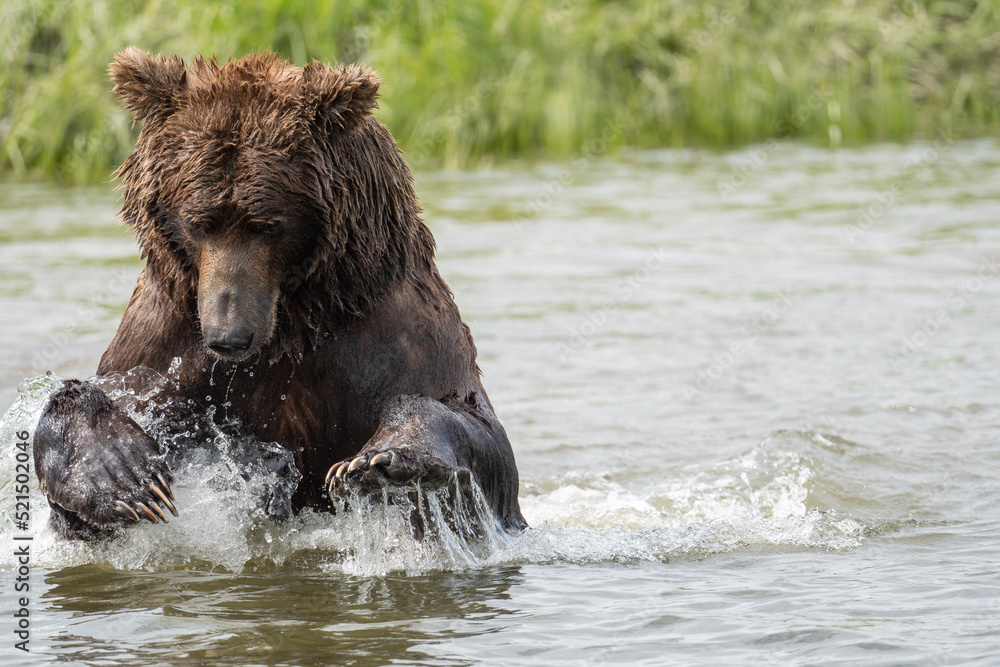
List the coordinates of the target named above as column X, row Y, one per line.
column 229, row 344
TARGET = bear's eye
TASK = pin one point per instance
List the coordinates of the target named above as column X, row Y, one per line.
column 272, row 228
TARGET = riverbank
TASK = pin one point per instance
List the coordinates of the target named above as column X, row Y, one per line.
column 466, row 84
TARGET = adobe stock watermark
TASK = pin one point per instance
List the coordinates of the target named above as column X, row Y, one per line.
column 880, row 203
column 580, row 163
column 563, row 11
column 893, row 25
column 957, row 298
column 115, row 290
column 22, row 540
column 707, row 37
column 424, row 146
column 362, row 34
column 87, row 145
column 623, row 292
column 755, row 159
column 25, row 24
column 723, row 362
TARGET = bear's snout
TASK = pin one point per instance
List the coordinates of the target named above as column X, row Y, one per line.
column 229, row 344
column 236, row 303
column 233, row 326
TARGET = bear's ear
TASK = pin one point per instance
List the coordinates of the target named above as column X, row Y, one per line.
column 338, row 96
column 148, row 86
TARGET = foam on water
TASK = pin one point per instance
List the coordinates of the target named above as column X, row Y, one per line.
column 756, row 499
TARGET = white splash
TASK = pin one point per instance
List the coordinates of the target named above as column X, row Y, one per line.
column 758, row 498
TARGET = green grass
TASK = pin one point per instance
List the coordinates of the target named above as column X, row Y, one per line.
column 467, row 82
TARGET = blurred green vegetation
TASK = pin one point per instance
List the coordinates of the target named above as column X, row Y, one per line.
column 467, row 82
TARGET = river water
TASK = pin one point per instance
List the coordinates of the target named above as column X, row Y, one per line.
column 753, row 398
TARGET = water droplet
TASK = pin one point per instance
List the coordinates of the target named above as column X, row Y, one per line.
column 251, row 373
column 175, row 365
column 282, row 397
column 208, row 398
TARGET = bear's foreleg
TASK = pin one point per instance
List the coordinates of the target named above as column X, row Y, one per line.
column 424, row 440
column 96, row 466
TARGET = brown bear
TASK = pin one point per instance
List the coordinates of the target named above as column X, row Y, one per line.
column 287, row 267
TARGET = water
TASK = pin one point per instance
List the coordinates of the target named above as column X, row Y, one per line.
column 753, row 399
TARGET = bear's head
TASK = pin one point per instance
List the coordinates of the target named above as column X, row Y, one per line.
column 268, row 202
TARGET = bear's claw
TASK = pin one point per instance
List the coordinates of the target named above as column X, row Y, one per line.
column 150, row 510
column 386, row 456
column 150, row 499
column 126, row 511
column 373, row 471
column 170, row 494
column 338, row 470
column 96, row 466
column 163, row 498
column 147, row 501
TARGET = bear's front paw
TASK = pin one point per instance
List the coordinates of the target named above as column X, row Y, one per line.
column 96, row 466
column 373, row 470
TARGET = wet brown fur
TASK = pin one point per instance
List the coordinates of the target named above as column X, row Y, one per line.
column 288, row 164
